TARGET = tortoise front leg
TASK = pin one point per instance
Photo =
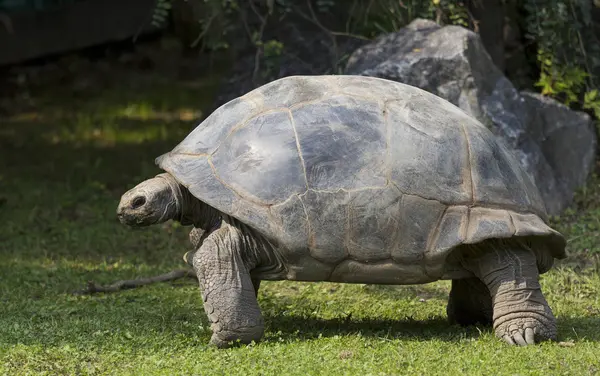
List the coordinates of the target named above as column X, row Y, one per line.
column 521, row 314
column 223, row 268
column 197, row 237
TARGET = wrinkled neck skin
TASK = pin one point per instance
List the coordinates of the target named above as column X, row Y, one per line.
column 190, row 210
column 258, row 252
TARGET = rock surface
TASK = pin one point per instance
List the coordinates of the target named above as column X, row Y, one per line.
column 556, row 145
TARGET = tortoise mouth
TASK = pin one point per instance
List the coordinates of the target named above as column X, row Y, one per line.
column 129, row 220
column 133, row 218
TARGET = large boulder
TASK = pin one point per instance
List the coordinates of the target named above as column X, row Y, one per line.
column 556, row 145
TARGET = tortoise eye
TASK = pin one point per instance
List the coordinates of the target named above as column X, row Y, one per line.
column 137, row 202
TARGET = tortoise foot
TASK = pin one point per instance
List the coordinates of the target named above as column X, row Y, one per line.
column 524, row 318
column 523, row 331
column 521, row 313
column 231, row 338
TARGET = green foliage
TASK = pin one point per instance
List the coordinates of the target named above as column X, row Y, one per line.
column 222, row 20
column 161, row 12
column 272, row 51
column 591, row 101
column 372, row 18
column 452, row 13
column 215, row 19
column 565, row 82
column 568, row 51
column 217, row 23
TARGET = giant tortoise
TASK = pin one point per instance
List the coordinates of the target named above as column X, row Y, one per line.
column 354, row 179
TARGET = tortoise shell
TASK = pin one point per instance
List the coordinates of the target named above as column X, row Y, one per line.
column 356, row 178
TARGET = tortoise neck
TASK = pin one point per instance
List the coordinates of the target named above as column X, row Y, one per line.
column 200, row 214
column 189, row 210
column 196, row 212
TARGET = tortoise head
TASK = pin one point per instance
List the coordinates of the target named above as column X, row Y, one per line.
column 151, row 202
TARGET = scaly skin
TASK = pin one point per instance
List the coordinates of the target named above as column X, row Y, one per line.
column 223, row 269
column 521, row 314
column 197, row 237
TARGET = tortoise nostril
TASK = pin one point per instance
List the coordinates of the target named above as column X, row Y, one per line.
column 137, row 202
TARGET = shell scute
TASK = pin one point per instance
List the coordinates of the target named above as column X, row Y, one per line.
column 337, row 129
column 374, row 218
column 428, row 152
column 260, row 160
column 327, row 213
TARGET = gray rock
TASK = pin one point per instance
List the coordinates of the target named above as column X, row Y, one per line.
column 556, row 145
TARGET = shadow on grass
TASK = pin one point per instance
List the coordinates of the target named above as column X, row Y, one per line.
column 578, row 328
column 303, row 328
column 307, row 328
column 425, row 291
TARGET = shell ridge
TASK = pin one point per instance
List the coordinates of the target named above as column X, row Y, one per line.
column 348, row 232
column 512, row 223
column 388, row 142
column 514, row 208
column 465, row 223
column 299, row 105
column 293, row 123
column 435, row 233
column 311, row 234
column 468, row 181
column 191, row 154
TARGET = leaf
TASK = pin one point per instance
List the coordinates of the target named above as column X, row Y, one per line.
column 590, row 96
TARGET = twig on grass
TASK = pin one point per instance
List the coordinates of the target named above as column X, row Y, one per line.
column 93, row 287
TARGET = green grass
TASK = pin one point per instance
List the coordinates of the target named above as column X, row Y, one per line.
column 64, row 164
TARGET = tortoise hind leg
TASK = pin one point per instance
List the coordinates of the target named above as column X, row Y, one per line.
column 469, row 303
column 509, row 270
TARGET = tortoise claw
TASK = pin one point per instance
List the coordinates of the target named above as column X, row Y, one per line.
column 520, row 337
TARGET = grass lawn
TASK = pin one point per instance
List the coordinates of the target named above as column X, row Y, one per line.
column 64, row 162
